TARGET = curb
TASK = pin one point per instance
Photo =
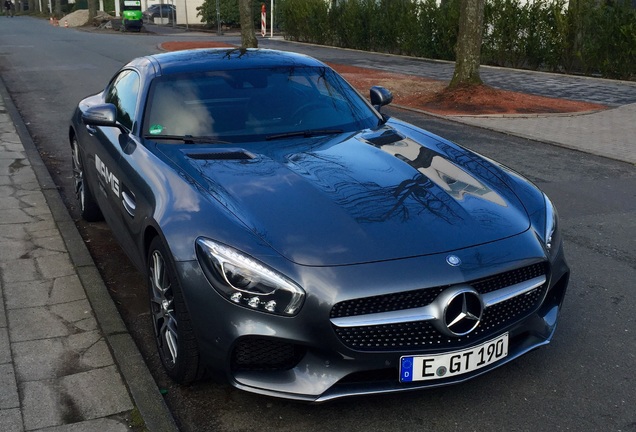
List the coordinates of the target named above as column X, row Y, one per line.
column 135, row 373
column 459, row 117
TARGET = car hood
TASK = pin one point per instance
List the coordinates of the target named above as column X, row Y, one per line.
column 357, row 198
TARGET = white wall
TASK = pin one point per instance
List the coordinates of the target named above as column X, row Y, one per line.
column 187, row 11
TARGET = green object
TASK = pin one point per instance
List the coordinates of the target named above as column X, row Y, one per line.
column 156, row 129
column 131, row 15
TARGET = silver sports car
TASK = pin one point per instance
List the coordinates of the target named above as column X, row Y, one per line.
column 299, row 243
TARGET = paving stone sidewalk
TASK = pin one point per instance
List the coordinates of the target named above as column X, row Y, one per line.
column 610, row 133
column 63, row 365
column 55, row 366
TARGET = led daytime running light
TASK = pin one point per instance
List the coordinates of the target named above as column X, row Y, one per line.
column 260, row 280
column 550, row 223
column 230, row 258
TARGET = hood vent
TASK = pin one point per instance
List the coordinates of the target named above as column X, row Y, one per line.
column 221, row 154
column 385, row 137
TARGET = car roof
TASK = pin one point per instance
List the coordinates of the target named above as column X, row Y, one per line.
column 200, row 60
column 157, row 6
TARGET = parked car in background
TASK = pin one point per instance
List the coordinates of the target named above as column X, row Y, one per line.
column 160, row 11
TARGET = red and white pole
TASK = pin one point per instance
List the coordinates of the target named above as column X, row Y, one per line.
column 263, row 19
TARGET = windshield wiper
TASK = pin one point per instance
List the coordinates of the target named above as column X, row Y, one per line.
column 306, row 133
column 188, row 139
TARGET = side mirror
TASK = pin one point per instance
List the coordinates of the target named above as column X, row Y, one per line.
column 380, row 96
column 100, row 115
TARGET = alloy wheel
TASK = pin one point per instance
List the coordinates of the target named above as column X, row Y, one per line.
column 162, row 309
column 78, row 176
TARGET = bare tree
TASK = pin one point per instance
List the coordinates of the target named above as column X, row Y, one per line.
column 248, row 38
column 468, row 52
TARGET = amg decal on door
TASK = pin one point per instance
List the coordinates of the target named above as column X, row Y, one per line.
column 107, row 175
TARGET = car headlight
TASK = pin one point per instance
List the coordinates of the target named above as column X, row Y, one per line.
column 551, row 220
column 247, row 282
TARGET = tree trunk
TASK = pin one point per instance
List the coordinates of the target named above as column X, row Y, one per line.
column 248, row 38
column 575, row 35
column 468, row 51
column 92, row 10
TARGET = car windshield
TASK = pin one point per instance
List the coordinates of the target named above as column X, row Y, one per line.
column 255, row 104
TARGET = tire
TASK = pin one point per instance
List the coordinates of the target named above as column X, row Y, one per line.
column 175, row 339
column 89, row 209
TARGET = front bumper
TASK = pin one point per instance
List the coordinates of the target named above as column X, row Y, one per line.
column 305, row 357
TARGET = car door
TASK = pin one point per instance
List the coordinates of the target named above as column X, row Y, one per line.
column 123, row 93
column 139, row 173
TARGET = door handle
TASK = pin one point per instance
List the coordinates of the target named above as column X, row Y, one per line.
column 128, row 201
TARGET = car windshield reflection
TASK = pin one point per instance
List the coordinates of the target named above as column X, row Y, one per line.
column 252, row 104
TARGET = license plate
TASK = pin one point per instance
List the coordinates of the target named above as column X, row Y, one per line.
column 432, row 367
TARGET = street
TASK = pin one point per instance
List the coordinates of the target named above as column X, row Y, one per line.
column 582, row 381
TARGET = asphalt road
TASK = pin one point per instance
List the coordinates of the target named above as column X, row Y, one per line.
column 583, row 381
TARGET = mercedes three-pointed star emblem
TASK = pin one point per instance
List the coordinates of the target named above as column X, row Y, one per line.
column 462, row 311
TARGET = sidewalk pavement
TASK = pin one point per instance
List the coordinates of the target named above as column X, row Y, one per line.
column 610, row 133
column 67, row 362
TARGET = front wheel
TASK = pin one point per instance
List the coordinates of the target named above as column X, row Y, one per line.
column 174, row 336
column 89, row 209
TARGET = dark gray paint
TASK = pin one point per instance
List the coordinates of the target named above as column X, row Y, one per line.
column 582, row 381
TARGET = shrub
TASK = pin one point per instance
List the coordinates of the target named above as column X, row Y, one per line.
column 585, row 36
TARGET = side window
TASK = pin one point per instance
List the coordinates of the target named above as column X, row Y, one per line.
column 123, row 93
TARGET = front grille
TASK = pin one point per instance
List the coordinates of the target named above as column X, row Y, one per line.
column 512, row 277
column 254, row 353
column 422, row 334
column 386, row 303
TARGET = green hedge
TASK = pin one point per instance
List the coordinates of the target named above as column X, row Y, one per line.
column 396, row 26
column 228, row 12
column 588, row 36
